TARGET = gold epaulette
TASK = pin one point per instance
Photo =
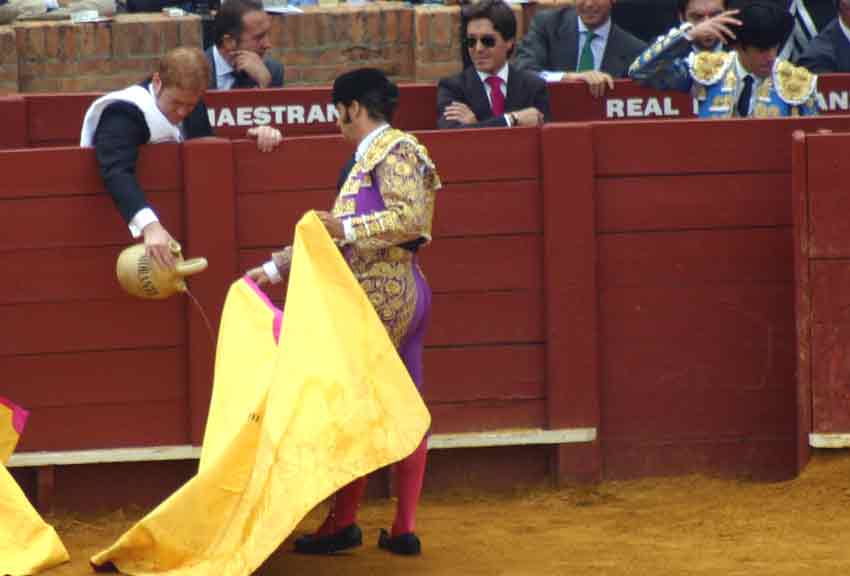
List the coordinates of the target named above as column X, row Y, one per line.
column 707, row 68
column 385, row 143
column 794, row 84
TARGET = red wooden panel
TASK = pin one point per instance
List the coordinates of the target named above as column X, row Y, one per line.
column 104, row 325
column 830, row 345
column 472, row 155
column 469, row 209
column 13, row 111
column 693, row 201
column 799, row 196
column 59, row 275
column 473, row 209
column 107, row 378
column 761, row 458
column 486, row 318
column 478, row 264
column 834, row 90
column 572, row 102
column 484, row 372
column 35, row 223
column 829, row 333
column 106, row 426
column 74, row 171
column 302, row 111
column 570, row 279
column 56, row 119
column 829, row 200
column 490, row 415
column 269, row 219
column 298, row 164
column 697, row 146
column 699, row 257
column 211, row 232
column 465, row 264
column 697, row 343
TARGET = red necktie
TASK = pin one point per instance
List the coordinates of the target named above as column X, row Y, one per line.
column 497, row 99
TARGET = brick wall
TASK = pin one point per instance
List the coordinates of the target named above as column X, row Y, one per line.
column 420, row 43
column 63, row 57
column 8, row 61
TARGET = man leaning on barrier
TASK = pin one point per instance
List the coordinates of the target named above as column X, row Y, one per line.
column 748, row 81
column 165, row 108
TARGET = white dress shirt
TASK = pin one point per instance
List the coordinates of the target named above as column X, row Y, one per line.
column 757, row 82
column 503, row 74
column 224, row 79
column 597, row 47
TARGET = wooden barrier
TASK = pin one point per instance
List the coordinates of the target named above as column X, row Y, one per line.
column 633, row 279
column 74, row 343
column 822, row 267
column 55, row 119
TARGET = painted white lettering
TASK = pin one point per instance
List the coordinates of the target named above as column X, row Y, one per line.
column 838, row 100
column 315, row 114
column 211, row 115
column 331, row 113
column 262, row 116
column 278, row 114
column 295, row 115
column 634, row 108
column 668, row 108
column 614, row 108
column 225, row 118
column 653, row 108
column 243, row 116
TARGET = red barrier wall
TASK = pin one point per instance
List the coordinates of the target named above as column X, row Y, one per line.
column 55, row 119
column 634, row 278
column 95, row 367
column 822, row 245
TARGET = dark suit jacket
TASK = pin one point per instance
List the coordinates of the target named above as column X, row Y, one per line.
column 828, row 52
column 524, row 89
column 242, row 79
column 120, row 132
column 552, row 44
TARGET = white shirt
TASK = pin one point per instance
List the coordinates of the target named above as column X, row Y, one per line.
column 224, row 79
column 503, row 74
column 844, row 28
column 597, row 47
column 757, row 82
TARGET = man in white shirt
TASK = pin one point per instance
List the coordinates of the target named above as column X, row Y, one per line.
column 580, row 43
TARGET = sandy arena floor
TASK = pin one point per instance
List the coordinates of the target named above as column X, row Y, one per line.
column 672, row 526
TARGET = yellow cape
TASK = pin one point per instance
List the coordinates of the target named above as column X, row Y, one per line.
column 27, row 544
column 288, row 425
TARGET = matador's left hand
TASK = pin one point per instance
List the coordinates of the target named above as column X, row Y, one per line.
column 332, row 224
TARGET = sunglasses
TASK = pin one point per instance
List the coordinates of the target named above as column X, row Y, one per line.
column 487, row 41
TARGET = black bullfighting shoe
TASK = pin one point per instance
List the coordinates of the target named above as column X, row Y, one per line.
column 406, row 544
column 349, row 537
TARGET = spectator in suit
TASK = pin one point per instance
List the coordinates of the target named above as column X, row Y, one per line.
column 238, row 58
column 579, row 43
column 166, row 107
column 830, row 50
column 491, row 92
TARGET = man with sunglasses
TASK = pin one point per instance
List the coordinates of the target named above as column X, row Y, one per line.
column 491, row 92
column 829, row 51
column 579, row 43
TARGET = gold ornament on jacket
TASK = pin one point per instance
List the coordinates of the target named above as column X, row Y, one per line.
column 794, row 84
